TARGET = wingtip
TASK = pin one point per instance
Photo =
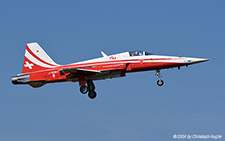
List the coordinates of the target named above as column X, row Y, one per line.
column 103, row 54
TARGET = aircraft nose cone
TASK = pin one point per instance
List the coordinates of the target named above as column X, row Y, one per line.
column 196, row 60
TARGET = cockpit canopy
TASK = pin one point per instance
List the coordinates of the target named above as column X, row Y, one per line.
column 139, row 53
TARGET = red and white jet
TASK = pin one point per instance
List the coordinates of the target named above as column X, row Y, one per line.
column 39, row 68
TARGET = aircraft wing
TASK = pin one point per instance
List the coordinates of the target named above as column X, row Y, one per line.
column 74, row 70
column 97, row 69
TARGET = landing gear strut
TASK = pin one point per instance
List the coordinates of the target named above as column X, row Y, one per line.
column 90, row 88
column 160, row 81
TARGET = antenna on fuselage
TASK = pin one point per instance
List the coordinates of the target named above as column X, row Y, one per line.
column 103, row 54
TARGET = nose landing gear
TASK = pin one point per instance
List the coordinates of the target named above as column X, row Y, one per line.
column 160, row 82
column 90, row 88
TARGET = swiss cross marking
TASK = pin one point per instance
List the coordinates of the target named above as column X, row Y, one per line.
column 28, row 65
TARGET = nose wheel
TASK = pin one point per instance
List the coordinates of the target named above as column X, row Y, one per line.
column 160, row 82
column 90, row 88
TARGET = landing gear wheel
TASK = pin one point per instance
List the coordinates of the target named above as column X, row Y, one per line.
column 160, row 82
column 92, row 94
column 83, row 89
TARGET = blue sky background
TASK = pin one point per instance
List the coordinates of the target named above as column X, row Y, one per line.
column 192, row 100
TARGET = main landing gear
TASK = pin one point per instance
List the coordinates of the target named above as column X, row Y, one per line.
column 90, row 88
column 160, row 81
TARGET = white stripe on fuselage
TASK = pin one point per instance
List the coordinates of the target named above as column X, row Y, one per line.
column 106, row 61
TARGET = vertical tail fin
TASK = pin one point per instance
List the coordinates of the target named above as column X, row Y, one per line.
column 36, row 59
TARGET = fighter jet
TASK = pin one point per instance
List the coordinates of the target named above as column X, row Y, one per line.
column 39, row 69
